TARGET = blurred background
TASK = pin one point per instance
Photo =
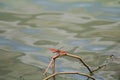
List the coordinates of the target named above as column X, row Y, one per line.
column 87, row 28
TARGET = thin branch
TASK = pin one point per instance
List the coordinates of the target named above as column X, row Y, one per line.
column 60, row 53
column 53, row 68
column 69, row 73
column 53, row 58
column 48, row 67
column 77, row 57
column 100, row 67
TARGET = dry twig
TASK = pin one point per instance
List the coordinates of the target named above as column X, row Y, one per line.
column 64, row 53
column 69, row 73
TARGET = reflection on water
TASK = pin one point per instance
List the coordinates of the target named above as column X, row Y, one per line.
column 33, row 26
column 45, row 59
column 95, row 47
column 74, row 76
column 78, row 42
column 17, row 46
column 30, row 31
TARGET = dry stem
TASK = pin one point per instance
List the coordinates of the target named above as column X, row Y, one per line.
column 53, row 68
column 100, row 67
column 52, row 60
column 69, row 73
column 77, row 57
column 63, row 53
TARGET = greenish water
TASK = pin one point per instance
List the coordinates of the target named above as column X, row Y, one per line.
column 88, row 28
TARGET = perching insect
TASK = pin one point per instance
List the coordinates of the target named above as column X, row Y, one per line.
column 60, row 52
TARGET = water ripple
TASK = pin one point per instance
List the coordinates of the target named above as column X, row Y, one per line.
column 17, row 46
column 96, row 47
column 77, row 42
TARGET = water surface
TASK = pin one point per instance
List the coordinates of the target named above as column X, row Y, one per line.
column 89, row 28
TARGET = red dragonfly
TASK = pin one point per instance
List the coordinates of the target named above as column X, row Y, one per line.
column 61, row 52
